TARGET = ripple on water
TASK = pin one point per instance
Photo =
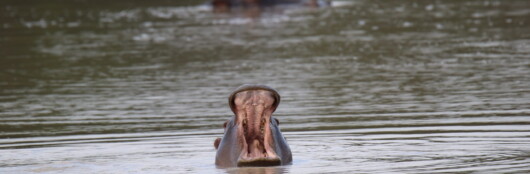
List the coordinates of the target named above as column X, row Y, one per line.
column 368, row 87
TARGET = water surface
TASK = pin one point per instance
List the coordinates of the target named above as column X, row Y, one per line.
column 367, row 86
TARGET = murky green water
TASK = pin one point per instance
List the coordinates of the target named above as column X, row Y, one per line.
column 367, row 86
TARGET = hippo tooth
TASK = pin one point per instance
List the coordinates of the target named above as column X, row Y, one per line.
column 244, row 125
column 262, row 126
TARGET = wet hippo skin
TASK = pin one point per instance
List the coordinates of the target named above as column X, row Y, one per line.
column 252, row 136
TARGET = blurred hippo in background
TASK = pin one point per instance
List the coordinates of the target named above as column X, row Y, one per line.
column 227, row 5
column 252, row 136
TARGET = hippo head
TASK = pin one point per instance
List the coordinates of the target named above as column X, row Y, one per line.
column 252, row 136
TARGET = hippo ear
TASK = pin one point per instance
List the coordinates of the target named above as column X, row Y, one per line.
column 224, row 124
column 216, row 143
column 277, row 121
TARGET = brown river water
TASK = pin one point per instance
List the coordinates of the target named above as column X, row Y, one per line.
column 367, row 86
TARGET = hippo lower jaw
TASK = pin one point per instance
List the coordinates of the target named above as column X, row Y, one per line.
column 258, row 162
column 257, row 149
column 258, row 155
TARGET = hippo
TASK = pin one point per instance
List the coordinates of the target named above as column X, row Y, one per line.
column 252, row 136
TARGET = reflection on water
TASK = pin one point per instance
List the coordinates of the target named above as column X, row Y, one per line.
column 367, row 86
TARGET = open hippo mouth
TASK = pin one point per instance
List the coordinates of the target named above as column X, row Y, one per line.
column 253, row 111
column 252, row 137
